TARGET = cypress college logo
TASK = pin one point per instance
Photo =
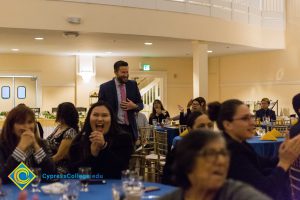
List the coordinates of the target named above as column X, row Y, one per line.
column 21, row 176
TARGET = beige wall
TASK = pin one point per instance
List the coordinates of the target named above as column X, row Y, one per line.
column 53, row 95
column 52, row 15
column 273, row 74
column 58, row 82
column 179, row 78
column 52, row 71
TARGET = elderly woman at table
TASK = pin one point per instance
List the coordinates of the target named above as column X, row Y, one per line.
column 196, row 120
column 60, row 139
column 267, row 175
column 101, row 144
column 200, row 169
column 19, row 142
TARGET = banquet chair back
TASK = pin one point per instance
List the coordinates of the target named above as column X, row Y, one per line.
column 281, row 128
column 155, row 161
column 147, row 139
column 294, row 174
column 145, row 144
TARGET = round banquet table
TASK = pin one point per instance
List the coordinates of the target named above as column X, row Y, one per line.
column 97, row 192
column 265, row 148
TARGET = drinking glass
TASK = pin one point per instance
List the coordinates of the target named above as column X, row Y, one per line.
column 260, row 131
column 154, row 122
column 84, row 176
column 35, row 183
column 72, row 190
column 118, row 192
column 135, row 190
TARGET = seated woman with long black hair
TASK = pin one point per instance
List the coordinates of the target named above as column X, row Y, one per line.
column 101, row 144
column 19, row 142
column 158, row 112
column 60, row 139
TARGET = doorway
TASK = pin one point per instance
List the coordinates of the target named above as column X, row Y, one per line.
column 17, row 89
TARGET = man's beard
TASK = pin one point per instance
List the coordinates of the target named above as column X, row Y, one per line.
column 120, row 79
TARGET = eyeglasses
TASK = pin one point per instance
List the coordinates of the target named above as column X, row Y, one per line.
column 246, row 118
column 211, row 155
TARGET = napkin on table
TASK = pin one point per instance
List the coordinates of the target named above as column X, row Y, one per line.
column 54, row 188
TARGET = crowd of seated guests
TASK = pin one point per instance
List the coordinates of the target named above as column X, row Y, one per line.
column 199, row 165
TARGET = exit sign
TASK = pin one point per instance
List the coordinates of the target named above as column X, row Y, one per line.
column 146, row 67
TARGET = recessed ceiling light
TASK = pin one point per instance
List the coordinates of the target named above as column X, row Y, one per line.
column 15, row 49
column 108, row 52
column 148, row 43
column 209, row 51
column 39, row 38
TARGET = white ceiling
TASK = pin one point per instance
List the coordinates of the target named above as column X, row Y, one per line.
column 55, row 43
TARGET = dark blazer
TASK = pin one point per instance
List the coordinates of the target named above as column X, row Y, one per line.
column 184, row 117
column 265, row 113
column 8, row 163
column 261, row 173
column 108, row 93
column 109, row 162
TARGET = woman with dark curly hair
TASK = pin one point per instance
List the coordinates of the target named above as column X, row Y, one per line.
column 19, row 142
column 101, row 144
column 60, row 139
column 200, row 169
column 198, row 105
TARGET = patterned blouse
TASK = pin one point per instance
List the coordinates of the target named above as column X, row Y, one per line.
column 54, row 141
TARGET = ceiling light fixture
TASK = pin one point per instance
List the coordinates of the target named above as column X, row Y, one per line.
column 71, row 34
column 108, row 52
column 86, row 67
column 15, row 49
column 74, row 20
column 148, row 43
column 209, row 51
column 39, row 38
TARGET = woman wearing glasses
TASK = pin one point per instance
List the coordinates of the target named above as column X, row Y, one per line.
column 267, row 175
column 200, row 168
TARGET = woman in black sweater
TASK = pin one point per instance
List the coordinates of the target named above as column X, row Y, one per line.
column 19, row 142
column 267, row 175
column 101, row 144
column 158, row 112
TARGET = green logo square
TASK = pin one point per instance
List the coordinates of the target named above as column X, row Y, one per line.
column 21, row 176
